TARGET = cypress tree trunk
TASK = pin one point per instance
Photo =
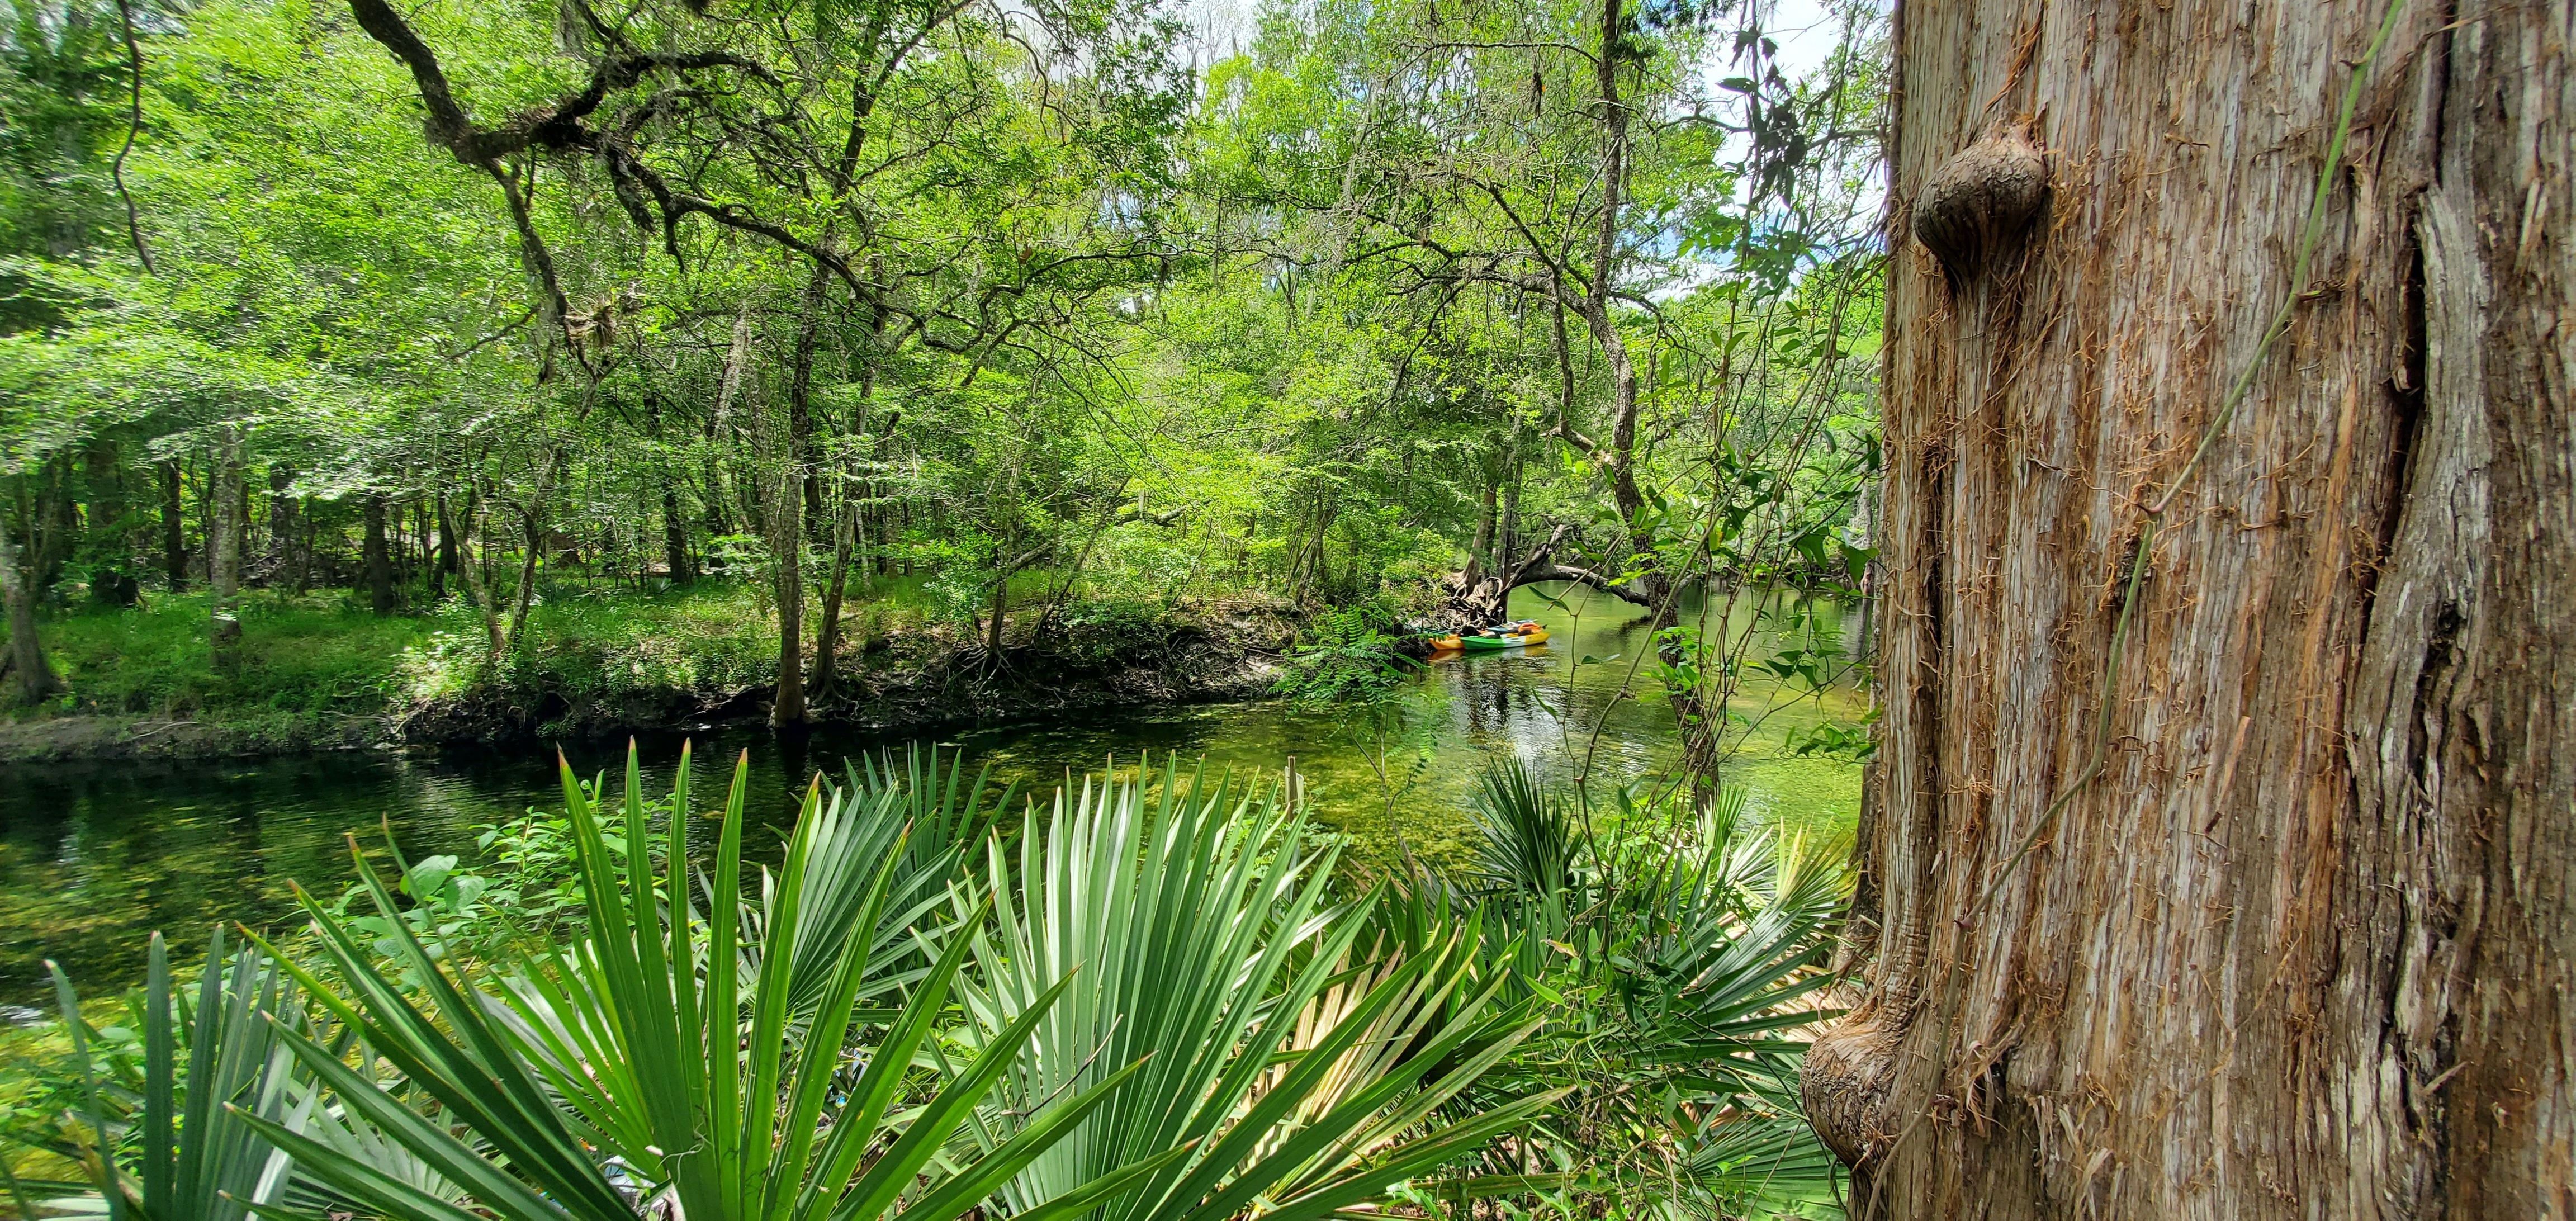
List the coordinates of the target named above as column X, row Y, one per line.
column 2303, row 949
column 378, row 557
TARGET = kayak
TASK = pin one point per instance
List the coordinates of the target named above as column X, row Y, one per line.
column 1503, row 636
column 1512, row 641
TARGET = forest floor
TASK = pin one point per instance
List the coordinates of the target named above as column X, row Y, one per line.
column 321, row 672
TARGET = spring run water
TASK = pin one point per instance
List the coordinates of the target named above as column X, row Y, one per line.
column 95, row 856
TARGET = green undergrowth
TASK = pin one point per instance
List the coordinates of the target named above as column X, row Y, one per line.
column 310, row 660
column 300, row 656
column 600, row 645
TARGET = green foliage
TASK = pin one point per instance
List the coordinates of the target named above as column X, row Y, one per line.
column 314, row 657
column 1044, row 335
column 920, row 1013
column 728, row 1087
column 167, row 1126
column 1685, row 951
column 1347, row 659
column 1189, row 923
column 1528, row 841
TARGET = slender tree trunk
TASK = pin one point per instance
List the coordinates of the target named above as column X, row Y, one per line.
column 174, row 543
column 103, row 483
column 787, row 524
column 675, row 540
column 304, row 545
column 32, row 676
column 282, row 523
column 850, row 534
column 244, row 521
column 1481, row 555
column 531, row 552
column 475, row 573
column 446, row 564
column 378, row 557
column 789, row 707
column 532, row 523
column 1596, row 305
column 450, row 559
column 224, row 530
column 2303, row 949
column 425, row 533
column 827, row 634
column 1001, row 609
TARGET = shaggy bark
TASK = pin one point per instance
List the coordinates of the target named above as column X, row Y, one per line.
column 2302, row 950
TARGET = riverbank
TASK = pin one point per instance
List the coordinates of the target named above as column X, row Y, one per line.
column 319, row 674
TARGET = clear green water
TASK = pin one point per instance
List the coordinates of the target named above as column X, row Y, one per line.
column 94, row 857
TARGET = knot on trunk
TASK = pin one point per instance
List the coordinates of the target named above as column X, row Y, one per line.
column 1980, row 202
column 1845, row 1083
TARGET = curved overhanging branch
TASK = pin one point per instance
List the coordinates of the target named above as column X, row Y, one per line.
column 562, row 127
column 558, row 127
column 1477, row 598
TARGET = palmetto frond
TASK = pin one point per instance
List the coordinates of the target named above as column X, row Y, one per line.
column 1193, row 926
column 663, row 1044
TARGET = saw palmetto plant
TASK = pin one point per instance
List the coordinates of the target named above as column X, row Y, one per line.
column 206, row 1064
column 1683, row 952
column 1150, row 999
column 1188, row 931
column 665, row 1055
